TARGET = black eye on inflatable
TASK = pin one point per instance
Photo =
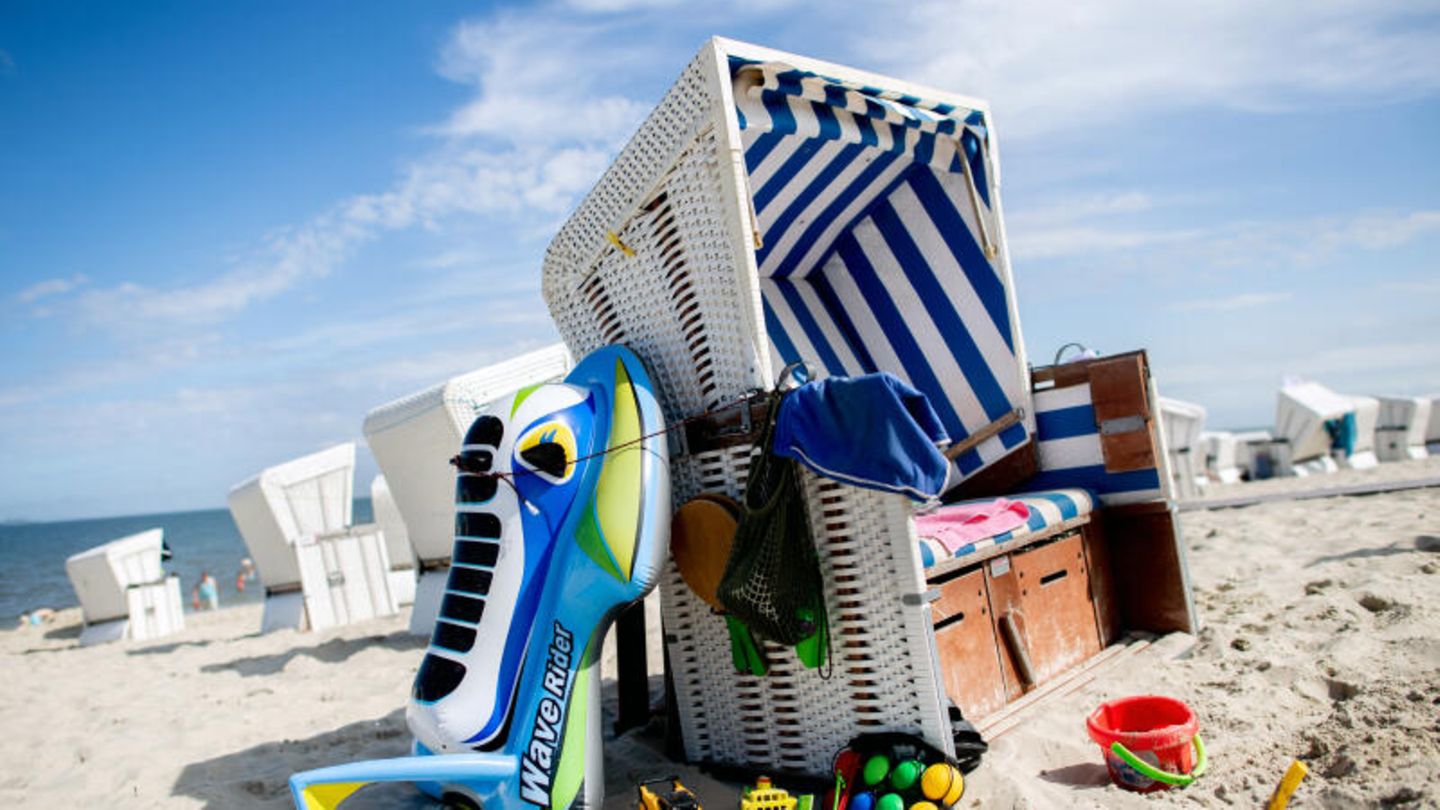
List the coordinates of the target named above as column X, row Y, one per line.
column 547, row 457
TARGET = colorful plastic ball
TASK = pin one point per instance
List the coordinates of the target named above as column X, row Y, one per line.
column 936, row 780
column 862, row 801
column 923, row 806
column 876, row 768
column 890, row 801
column 905, row 774
column 957, row 789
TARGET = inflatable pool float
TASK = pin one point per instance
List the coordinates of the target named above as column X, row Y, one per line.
column 562, row 519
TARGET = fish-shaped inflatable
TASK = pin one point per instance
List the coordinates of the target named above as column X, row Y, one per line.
column 562, row 519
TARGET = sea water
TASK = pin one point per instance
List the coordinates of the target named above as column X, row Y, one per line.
column 32, row 555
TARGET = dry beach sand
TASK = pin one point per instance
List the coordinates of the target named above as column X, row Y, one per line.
column 1321, row 641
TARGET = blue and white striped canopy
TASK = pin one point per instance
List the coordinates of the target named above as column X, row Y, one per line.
column 1071, row 454
column 874, row 243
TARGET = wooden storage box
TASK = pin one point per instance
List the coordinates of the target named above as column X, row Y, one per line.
column 1018, row 614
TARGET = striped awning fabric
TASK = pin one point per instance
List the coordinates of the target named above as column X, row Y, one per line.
column 1070, row 451
column 875, row 220
column 1050, row 508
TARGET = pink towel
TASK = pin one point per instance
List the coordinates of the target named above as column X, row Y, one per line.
column 966, row 523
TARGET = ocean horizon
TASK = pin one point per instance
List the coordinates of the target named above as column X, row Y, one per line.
column 33, row 555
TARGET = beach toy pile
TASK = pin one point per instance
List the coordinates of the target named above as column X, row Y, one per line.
column 894, row 772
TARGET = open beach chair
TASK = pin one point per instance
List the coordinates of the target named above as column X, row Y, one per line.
column 397, row 542
column 413, row 439
column 124, row 592
column 1314, row 424
column 1401, row 431
column 318, row 570
column 775, row 209
column 1183, row 423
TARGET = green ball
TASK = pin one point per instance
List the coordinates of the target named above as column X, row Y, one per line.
column 876, row 768
column 905, row 774
column 890, row 801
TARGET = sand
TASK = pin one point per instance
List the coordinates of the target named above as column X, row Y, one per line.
column 1321, row 641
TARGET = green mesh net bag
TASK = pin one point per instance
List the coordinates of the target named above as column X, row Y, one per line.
column 772, row 580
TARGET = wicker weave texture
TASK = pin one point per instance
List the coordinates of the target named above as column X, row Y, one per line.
column 881, row 673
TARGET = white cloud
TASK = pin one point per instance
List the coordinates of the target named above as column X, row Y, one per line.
column 543, row 80
column 1100, row 228
column 50, row 287
column 1245, row 300
column 536, row 135
column 613, row 6
column 1094, row 65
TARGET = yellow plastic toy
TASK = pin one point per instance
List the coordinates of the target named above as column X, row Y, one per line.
column 765, row 796
column 942, row 783
column 1287, row 786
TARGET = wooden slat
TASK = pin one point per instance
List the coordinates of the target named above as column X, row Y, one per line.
column 994, row 725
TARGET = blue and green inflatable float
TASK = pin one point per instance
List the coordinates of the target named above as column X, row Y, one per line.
column 562, row 519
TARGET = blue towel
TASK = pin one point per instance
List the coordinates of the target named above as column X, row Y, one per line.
column 871, row 431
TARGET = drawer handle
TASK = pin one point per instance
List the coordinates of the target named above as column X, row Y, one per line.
column 949, row 620
column 1054, row 576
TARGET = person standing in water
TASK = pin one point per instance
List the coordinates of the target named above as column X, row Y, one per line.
column 207, row 591
column 245, row 574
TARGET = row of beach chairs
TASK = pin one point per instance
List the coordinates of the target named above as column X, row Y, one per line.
column 1316, row 431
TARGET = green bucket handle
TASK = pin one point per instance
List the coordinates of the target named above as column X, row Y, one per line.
column 1173, row 779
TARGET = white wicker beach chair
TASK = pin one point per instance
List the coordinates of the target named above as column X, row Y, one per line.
column 413, row 439
column 123, row 591
column 1367, row 419
column 774, row 208
column 1401, row 432
column 403, row 572
column 317, row 569
column 1302, row 411
column 1183, row 422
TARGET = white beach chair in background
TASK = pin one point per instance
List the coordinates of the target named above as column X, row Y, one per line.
column 123, row 591
column 1432, row 428
column 1367, row 419
column 1183, row 423
column 1301, row 416
column 1401, row 432
column 403, row 571
column 1258, row 454
column 1221, row 457
column 413, row 439
column 317, row 569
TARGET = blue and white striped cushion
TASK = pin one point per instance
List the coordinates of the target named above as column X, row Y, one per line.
column 871, row 259
column 1070, row 452
column 1046, row 509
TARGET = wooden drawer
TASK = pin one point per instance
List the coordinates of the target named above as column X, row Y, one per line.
column 1044, row 616
column 965, row 642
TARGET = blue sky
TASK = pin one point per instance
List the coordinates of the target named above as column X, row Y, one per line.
column 229, row 230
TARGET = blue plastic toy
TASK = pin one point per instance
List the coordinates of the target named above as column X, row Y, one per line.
column 562, row 519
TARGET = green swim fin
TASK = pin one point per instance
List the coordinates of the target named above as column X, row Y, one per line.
column 745, row 653
column 814, row 650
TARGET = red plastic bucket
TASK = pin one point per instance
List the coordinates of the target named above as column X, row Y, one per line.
column 1150, row 742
